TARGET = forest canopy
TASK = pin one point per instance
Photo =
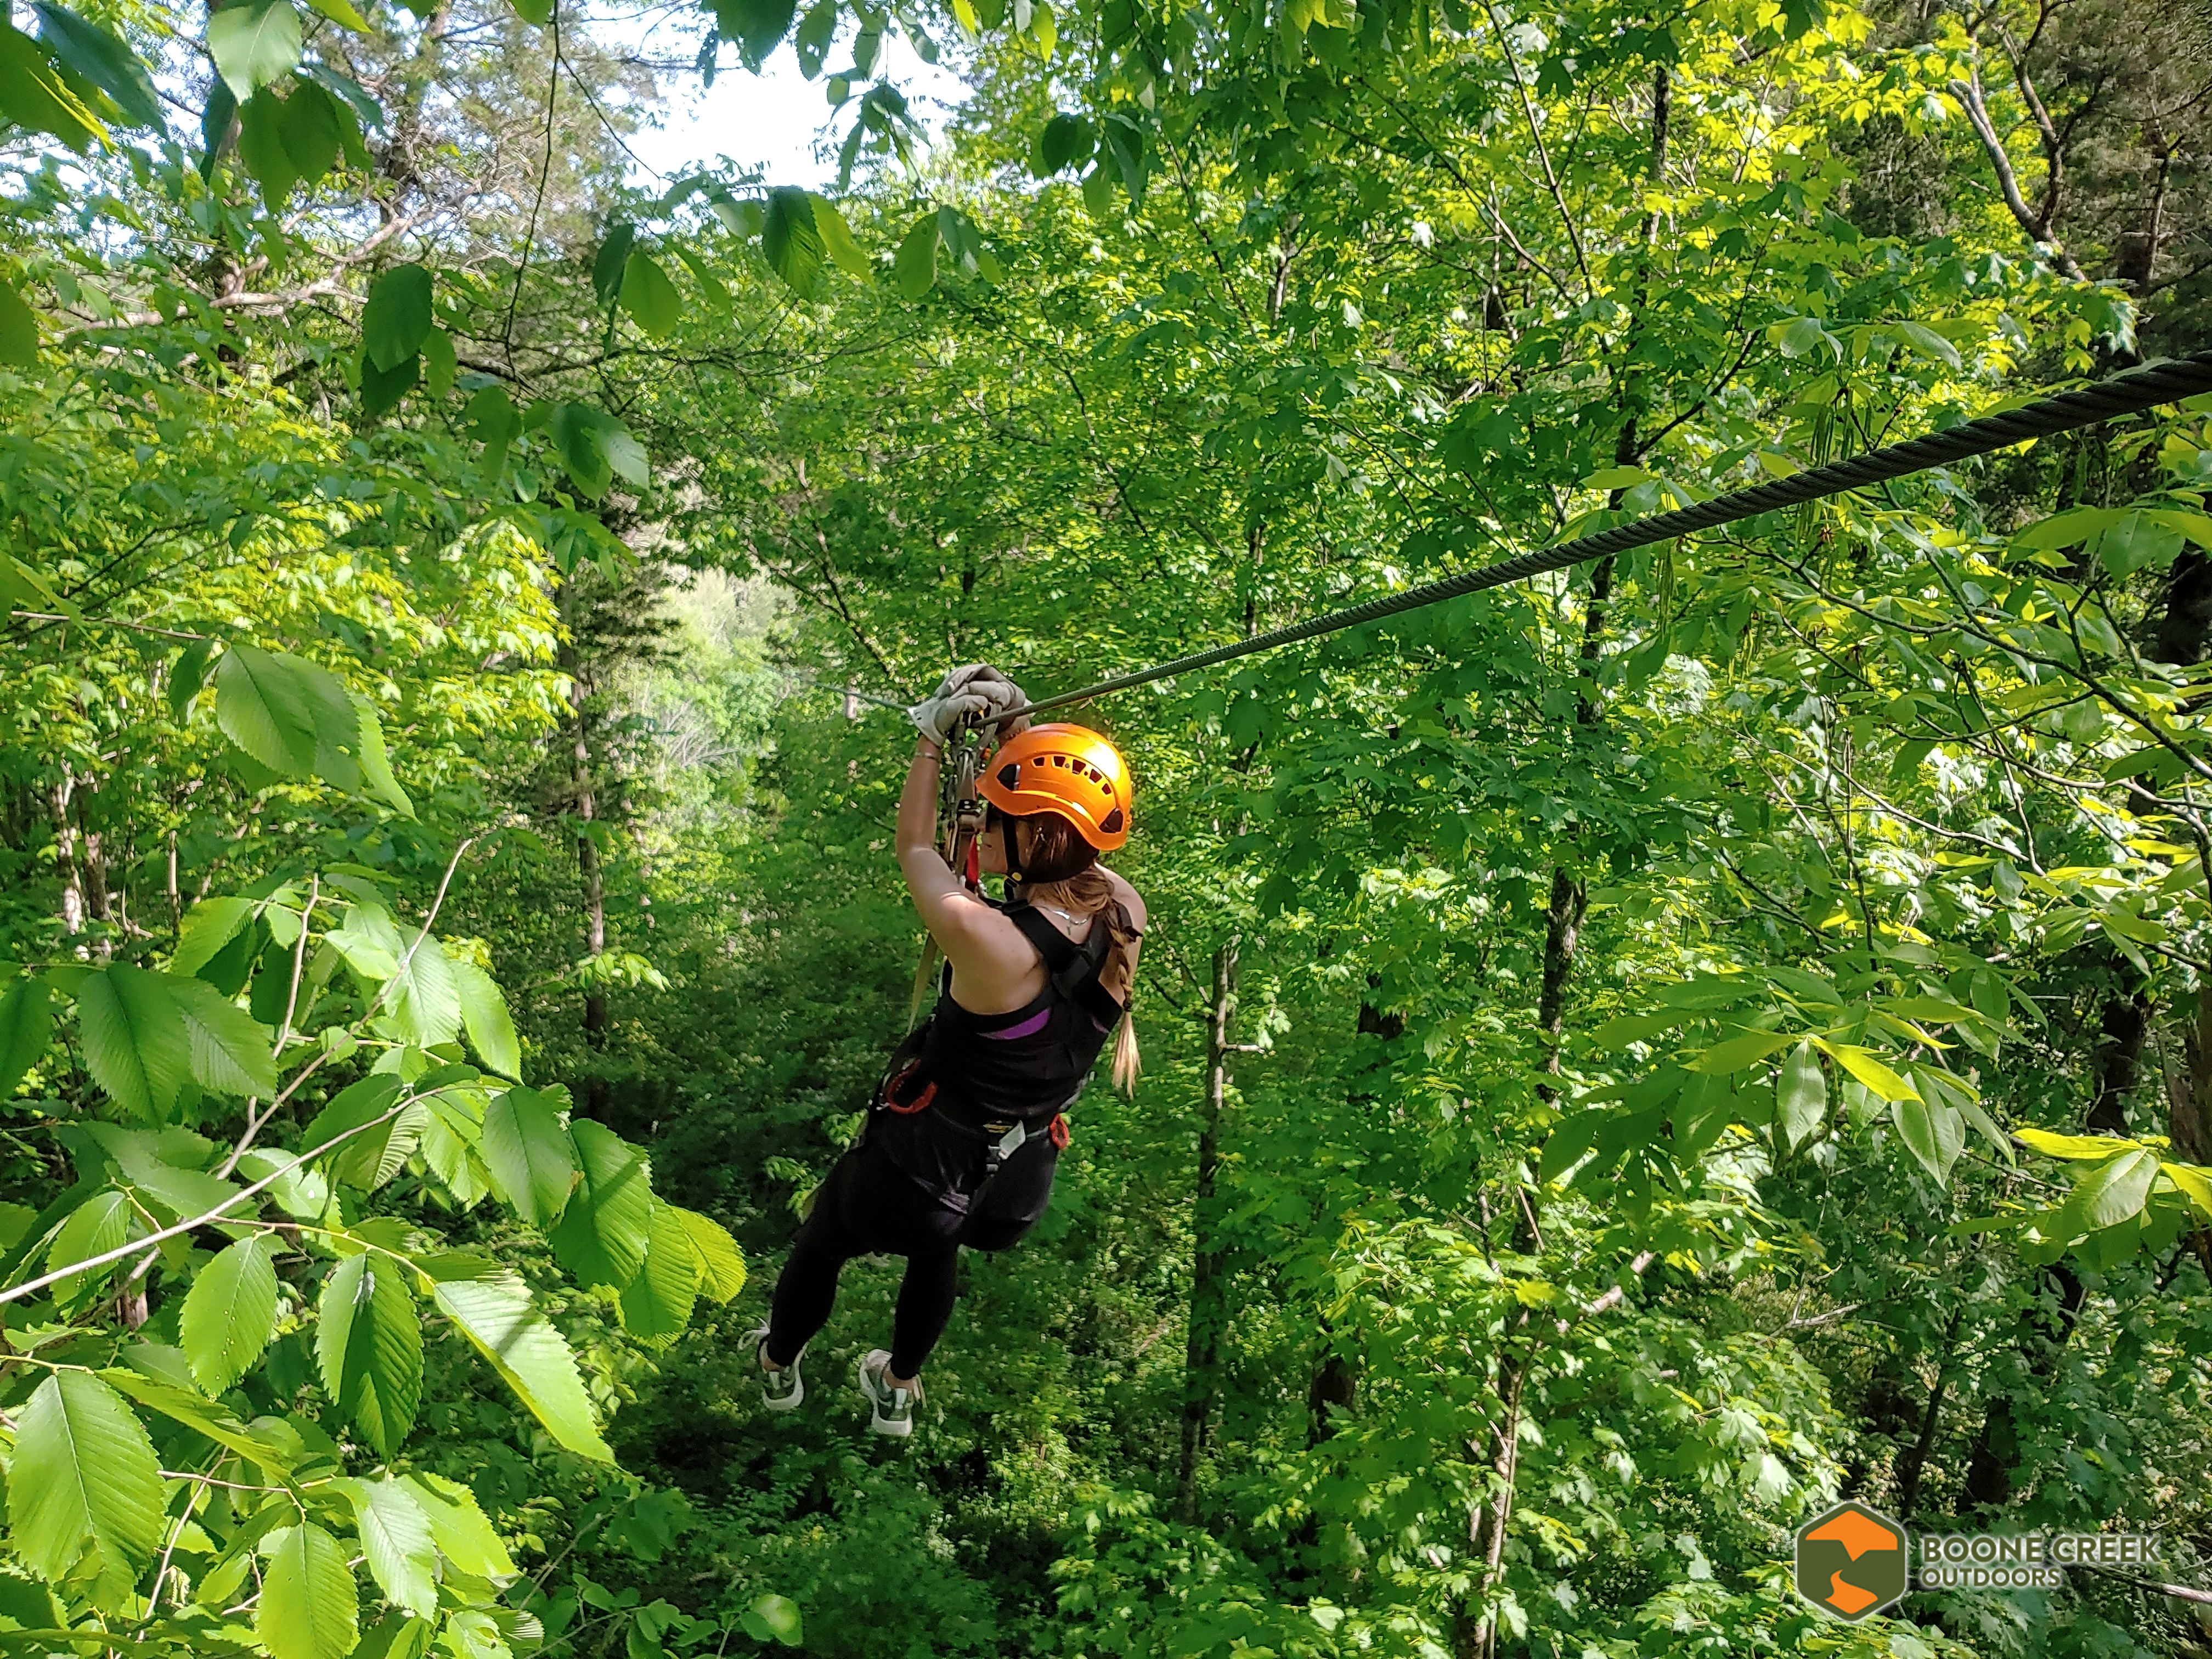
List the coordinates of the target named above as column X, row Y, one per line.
column 1631, row 1057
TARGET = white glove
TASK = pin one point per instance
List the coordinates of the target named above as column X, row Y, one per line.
column 968, row 693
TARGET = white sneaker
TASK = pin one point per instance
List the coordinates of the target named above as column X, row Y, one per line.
column 890, row 1410
column 781, row 1390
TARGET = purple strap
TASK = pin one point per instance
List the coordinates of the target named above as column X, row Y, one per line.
column 1030, row 1027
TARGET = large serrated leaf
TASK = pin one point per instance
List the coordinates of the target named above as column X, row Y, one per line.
column 211, row 1418
column 656, row 1305
column 460, row 1528
column 395, row 1537
column 230, row 1314
column 84, row 1490
column 497, row 1316
column 102, row 1223
column 530, row 1157
column 310, row 1608
column 491, row 1027
column 368, row 1347
column 207, row 927
column 134, row 1040
column 2109, row 1192
column 263, row 706
column 26, row 1026
column 229, row 1049
column 721, row 1264
column 423, row 998
column 601, row 1237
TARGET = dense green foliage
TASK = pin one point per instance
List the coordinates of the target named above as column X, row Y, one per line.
column 1629, row 1058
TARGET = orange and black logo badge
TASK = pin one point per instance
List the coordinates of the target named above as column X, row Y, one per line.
column 1852, row 1561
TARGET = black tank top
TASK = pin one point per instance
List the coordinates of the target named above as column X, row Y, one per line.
column 962, row 1072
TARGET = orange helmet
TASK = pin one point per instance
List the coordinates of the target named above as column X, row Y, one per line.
column 1068, row 770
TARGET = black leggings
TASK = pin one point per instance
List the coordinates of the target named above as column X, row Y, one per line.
column 868, row 1206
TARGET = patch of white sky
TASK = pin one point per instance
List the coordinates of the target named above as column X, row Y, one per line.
column 777, row 120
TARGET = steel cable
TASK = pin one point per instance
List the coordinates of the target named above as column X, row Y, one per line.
column 2122, row 394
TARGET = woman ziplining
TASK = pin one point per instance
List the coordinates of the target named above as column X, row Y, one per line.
column 965, row 1131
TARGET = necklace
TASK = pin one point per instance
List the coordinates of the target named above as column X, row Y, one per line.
column 1067, row 916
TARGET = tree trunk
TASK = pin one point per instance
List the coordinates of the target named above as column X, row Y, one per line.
column 1202, row 1349
column 65, row 863
column 1914, row 1465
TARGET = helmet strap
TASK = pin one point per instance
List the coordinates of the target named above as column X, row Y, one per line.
column 1012, row 832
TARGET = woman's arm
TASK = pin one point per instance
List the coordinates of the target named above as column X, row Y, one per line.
column 948, row 909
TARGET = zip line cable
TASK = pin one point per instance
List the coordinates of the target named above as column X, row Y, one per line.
column 2122, row 394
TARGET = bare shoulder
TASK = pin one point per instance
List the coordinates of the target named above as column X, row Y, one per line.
column 1128, row 895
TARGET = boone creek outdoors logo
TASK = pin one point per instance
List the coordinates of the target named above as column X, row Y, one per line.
column 1852, row 1561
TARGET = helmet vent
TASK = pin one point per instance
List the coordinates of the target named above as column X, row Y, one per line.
column 1111, row 823
column 1009, row 776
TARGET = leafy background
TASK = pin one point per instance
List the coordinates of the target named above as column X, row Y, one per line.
column 1632, row 1058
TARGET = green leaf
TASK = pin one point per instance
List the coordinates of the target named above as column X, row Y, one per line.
column 1800, row 1097
column 656, row 1305
column 757, row 26
column 2195, row 1183
column 356, row 1104
column 595, row 447
column 1928, row 343
column 230, row 1314
column 1066, row 141
column 395, row 1537
column 382, row 389
column 915, row 265
column 339, row 12
column 229, row 1048
column 369, row 941
column 1862, row 1065
column 1933, row 1132
column 84, row 1492
column 26, row 1026
column 463, row 1534
column 722, row 1265
column 368, row 1347
column 601, row 1237
column 312, row 129
column 497, row 1314
column 19, row 330
column 102, row 59
column 253, row 44
column 791, row 240
column 710, row 286
column 424, row 997
column 2113, row 1192
column 34, row 97
column 310, row 1608
column 96, row 1226
column 538, row 12
column 375, row 764
column 207, row 927
column 610, row 262
column 837, row 240
column 440, row 366
column 398, row 316
column 531, row 1159
column 134, row 1040
column 781, row 1614
column 491, row 1028
column 2088, row 1148
column 207, row 1416
column 264, row 706
column 1570, row 1139
column 261, row 148
column 649, row 296
column 378, row 1153
column 1732, row 1055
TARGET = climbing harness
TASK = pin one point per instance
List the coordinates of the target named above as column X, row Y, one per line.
column 2122, row 394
